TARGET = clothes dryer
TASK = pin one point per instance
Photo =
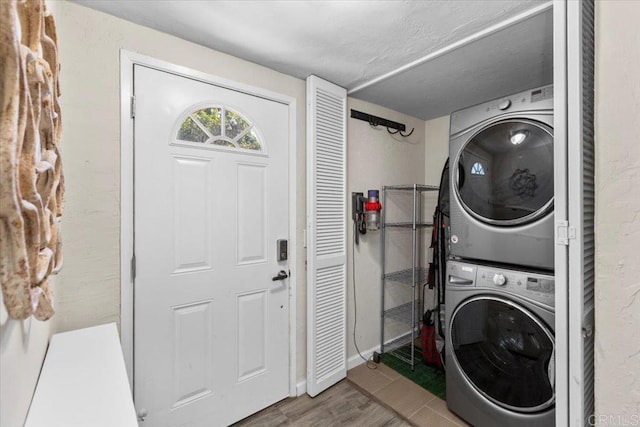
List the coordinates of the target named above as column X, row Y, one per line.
column 500, row 344
column 502, row 180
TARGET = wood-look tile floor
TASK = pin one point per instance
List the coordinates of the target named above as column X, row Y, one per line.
column 341, row 405
column 409, row 400
column 369, row 397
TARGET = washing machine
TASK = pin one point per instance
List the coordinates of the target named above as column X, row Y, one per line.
column 502, row 180
column 500, row 344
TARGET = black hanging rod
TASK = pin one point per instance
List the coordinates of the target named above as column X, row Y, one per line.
column 377, row 121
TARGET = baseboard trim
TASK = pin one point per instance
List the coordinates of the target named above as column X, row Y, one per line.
column 301, row 388
column 356, row 360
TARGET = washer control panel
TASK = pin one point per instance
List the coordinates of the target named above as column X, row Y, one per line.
column 538, row 287
column 499, row 279
column 504, row 104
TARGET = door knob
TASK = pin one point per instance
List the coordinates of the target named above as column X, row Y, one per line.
column 281, row 276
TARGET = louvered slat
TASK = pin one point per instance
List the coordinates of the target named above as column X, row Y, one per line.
column 326, row 248
column 330, row 173
column 330, row 294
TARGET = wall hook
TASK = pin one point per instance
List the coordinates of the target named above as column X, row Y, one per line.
column 376, row 121
column 409, row 134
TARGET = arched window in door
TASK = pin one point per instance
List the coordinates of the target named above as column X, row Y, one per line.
column 219, row 126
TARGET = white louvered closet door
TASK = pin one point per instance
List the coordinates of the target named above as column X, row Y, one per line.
column 580, row 118
column 327, row 235
column 574, row 46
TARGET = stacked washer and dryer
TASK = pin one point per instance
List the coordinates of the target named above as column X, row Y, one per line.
column 500, row 287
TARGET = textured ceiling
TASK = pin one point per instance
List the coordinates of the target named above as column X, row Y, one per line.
column 517, row 58
column 353, row 42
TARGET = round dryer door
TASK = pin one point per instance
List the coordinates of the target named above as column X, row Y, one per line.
column 505, row 172
column 505, row 352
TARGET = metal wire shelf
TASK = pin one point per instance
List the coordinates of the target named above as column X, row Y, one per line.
column 401, row 349
column 406, row 276
column 412, row 187
column 407, row 224
column 401, row 313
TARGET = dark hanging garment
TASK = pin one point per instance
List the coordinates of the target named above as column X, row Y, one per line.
column 438, row 246
column 431, row 277
column 443, row 194
column 437, row 265
column 430, row 351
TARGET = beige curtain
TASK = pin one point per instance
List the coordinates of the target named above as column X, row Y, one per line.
column 31, row 180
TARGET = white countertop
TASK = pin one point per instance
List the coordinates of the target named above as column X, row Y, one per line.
column 83, row 382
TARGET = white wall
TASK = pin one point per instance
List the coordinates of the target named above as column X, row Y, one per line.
column 90, row 43
column 375, row 158
column 23, row 344
column 617, row 381
column 436, row 134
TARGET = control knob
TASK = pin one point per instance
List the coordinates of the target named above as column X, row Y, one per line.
column 504, row 104
column 499, row 279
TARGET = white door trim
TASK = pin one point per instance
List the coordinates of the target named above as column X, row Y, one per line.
column 560, row 208
column 127, row 60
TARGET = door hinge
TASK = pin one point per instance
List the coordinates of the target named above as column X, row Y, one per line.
column 133, row 267
column 564, row 232
column 142, row 414
column 133, row 106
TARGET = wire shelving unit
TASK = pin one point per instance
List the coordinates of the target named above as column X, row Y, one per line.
column 404, row 316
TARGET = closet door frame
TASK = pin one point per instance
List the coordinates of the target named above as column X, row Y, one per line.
column 573, row 210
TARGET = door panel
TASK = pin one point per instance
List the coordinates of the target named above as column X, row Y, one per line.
column 252, row 334
column 192, row 194
column 252, row 227
column 211, row 199
column 193, row 352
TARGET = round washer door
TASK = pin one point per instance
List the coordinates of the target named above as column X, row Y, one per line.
column 505, row 172
column 505, row 352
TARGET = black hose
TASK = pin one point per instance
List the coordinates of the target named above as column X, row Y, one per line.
column 441, row 247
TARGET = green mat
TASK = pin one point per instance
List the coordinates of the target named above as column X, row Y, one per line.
column 425, row 376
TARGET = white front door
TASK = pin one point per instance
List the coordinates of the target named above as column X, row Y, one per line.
column 211, row 327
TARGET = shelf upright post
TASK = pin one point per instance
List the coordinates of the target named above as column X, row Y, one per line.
column 382, row 248
column 420, row 308
column 413, row 278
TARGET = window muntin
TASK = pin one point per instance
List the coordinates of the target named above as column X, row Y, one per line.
column 191, row 131
column 219, row 126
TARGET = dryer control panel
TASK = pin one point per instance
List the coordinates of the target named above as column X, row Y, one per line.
column 533, row 101
column 538, row 287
